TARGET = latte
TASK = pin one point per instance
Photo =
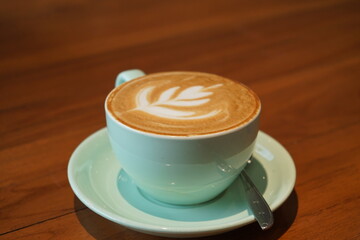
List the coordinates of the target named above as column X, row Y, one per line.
column 183, row 103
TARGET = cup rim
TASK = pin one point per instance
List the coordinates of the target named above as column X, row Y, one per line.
column 179, row 137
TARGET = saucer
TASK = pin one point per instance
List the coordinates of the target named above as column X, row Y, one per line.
column 98, row 180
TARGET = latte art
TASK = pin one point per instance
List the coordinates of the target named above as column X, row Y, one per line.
column 163, row 107
column 183, row 103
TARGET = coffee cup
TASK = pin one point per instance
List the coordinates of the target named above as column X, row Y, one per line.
column 182, row 137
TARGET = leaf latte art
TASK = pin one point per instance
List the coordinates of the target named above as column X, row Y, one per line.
column 183, row 103
column 163, row 107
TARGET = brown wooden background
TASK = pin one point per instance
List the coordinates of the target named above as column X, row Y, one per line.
column 59, row 58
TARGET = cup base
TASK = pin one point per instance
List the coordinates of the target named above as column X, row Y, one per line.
column 186, row 196
column 167, row 204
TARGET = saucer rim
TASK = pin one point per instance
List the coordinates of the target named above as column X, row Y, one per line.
column 163, row 230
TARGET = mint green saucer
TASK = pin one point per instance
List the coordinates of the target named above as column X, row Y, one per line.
column 98, row 180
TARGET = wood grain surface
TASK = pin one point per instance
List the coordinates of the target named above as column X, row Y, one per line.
column 58, row 61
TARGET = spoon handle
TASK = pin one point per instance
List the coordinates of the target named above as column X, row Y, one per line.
column 258, row 205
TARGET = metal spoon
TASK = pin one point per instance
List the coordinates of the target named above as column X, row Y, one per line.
column 257, row 203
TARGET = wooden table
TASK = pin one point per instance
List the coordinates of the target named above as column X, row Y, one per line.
column 58, row 61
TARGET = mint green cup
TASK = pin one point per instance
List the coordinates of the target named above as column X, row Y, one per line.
column 181, row 169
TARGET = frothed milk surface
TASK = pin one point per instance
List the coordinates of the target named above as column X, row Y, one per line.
column 183, row 103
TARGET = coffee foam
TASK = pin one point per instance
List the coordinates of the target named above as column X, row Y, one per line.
column 183, row 103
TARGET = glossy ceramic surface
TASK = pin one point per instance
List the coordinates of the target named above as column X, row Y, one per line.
column 181, row 169
column 98, row 180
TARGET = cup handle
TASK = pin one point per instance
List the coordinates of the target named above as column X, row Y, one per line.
column 128, row 75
